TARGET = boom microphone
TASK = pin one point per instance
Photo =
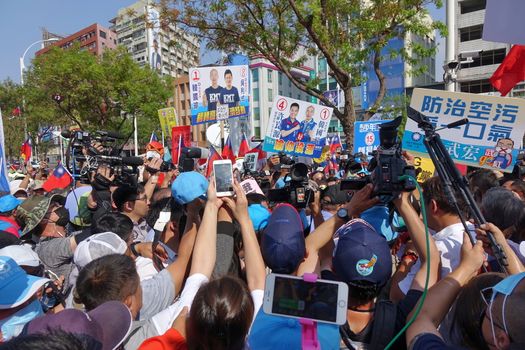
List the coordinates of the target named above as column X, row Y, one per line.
column 195, row 152
column 112, row 134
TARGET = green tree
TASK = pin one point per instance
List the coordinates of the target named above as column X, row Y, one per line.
column 348, row 34
column 11, row 98
column 96, row 93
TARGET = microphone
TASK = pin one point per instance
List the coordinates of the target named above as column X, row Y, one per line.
column 195, row 152
column 66, row 134
column 112, row 134
column 132, row 161
column 254, row 139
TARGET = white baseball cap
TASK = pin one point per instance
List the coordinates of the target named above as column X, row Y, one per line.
column 23, row 255
column 97, row 246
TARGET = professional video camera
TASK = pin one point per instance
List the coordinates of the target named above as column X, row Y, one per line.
column 297, row 191
column 85, row 157
column 352, row 164
column 387, row 165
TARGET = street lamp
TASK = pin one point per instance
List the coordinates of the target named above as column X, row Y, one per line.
column 22, row 66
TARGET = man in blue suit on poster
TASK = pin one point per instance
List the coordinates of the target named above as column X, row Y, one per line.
column 306, row 133
column 290, row 126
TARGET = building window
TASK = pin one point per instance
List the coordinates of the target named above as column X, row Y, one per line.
column 487, row 58
column 280, row 77
column 477, row 86
column 102, row 34
column 255, row 75
column 471, row 33
column 270, row 73
column 256, row 113
column 257, row 131
column 255, row 94
column 270, row 95
column 472, row 5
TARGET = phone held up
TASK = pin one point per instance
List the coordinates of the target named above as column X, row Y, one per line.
column 291, row 296
column 223, row 174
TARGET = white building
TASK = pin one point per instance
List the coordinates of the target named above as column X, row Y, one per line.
column 474, row 77
column 165, row 47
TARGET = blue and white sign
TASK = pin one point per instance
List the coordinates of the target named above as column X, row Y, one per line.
column 491, row 139
column 366, row 136
column 4, row 182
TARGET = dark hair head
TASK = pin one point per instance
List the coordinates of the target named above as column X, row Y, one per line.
column 114, row 222
column 227, row 71
column 480, row 181
column 220, row 316
column 52, row 340
column 295, row 104
column 176, row 210
column 362, row 292
column 518, row 186
column 125, row 194
column 468, row 308
column 111, row 277
column 433, row 189
column 256, row 198
column 502, row 208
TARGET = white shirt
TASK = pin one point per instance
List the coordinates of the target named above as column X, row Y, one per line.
column 145, row 268
column 448, row 242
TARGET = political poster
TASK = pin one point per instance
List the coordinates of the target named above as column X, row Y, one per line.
column 168, row 119
column 492, row 137
column 154, row 50
column 219, row 93
column 366, row 136
column 250, row 161
column 297, row 127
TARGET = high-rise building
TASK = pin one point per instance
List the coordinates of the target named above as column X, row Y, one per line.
column 474, row 77
column 94, row 38
column 164, row 47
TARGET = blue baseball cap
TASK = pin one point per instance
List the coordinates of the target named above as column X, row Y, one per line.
column 259, row 216
column 189, row 186
column 361, row 254
column 379, row 217
column 16, row 286
column 8, row 203
column 282, row 242
column 277, row 332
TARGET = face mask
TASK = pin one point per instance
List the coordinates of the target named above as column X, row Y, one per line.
column 13, row 325
column 63, row 216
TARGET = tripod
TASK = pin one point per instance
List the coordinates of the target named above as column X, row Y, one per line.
column 453, row 182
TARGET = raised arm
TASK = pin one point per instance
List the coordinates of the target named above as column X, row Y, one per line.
column 203, row 259
column 443, row 294
column 416, row 230
column 255, row 268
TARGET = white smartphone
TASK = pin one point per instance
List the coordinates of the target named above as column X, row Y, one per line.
column 223, row 174
column 291, row 296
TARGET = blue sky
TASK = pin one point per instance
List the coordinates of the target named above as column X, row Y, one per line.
column 21, row 20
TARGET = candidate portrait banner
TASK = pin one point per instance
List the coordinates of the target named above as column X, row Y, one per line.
column 366, row 136
column 180, row 137
column 492, row 137
column 297, row 127
column 168, row 119
column 219, row 93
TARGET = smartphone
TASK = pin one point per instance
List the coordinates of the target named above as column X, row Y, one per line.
column 291, row 296
column 222, row 171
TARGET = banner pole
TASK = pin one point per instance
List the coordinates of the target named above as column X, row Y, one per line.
column 221, row 123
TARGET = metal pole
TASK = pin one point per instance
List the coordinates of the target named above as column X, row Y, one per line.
column 450, row 54
column 135, row 136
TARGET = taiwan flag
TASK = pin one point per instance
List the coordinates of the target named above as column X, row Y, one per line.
column 26, row 150
column 244, row 147
column 214, row 155
column 227, row 151
column 60, row 178
column 336, row 143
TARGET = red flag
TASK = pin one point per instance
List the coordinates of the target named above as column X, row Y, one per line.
column 180, row 137
column 227, row 151
column 26, row 150
column 214, row 155
column 244, row 147
column 60, row 178
column 511, row 71
column 335, row 144
column 16, row 112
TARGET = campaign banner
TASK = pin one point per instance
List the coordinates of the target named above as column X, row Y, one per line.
column 424, row 167
column 167, row 119
column 180, row 137
column 250, row 161
column 491, row 139
column 366, row 136
column 297, row 127
column 219, row 93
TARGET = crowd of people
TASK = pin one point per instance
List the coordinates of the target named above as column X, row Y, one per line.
column 167, row 264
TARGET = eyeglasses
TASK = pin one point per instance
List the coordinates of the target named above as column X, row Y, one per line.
column 145, row 198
